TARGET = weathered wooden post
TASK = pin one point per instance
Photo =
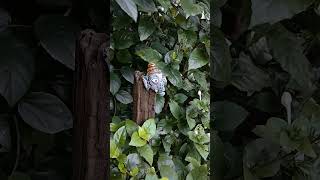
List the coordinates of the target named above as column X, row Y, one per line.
column 90, row 106
column 143, row 100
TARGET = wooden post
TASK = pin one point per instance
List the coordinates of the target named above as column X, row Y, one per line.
column 90, row 106
column 143, row 100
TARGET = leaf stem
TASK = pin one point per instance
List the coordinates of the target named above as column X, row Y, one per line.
column 18, row 145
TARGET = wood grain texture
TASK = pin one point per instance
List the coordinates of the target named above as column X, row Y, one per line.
column 143, row 100
column 90, row 107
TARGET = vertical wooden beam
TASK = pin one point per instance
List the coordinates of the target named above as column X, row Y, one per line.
column 143, row 100
column 90, row 138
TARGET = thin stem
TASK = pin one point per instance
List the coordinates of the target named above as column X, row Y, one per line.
column 18, row 145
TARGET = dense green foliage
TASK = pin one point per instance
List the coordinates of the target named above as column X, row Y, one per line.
column 266, row 89
column 175, row 36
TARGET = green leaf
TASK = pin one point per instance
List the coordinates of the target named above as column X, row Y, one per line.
column 197, row 59
column 271, row 11
column 145, row 28
column 133, row 161
column 127, row 73
column 260, row 151
column 45, row 112
column 166, row 4
column 146, row 5
column 137, row 141
column 221, row 58
column 271, row 131
column 198, row 135
column 173, row 75
column 115, row 83
column 143, row 133
column 149, row 126
column 57, row 35
column 120, row 136
column 131, row 127
column 187, row 38
column 114, row 149
column 169, row 172
column 201, row 78
column 306, row 148
column 124, row 97
column 199, row 173
column 176, row 110
column 129, row 7
column 180, row 98
column 146, row 152
column 159, row 103
column 228, row 115
column 151, row 174
column 288, row 51
column 124, row 39
column 124, row 56
column 248, row 77
column 190, row 8
column 203, row 150
column 150, row 55
column 16, row 68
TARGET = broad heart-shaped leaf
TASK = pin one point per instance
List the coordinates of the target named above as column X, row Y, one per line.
column 173, row 75
column 271, row 11
column 148, row 54
column 124, row 39
column 120, row 136
column 129, row 7
column 168, row 172
column 191, row 8
column 127, row 73
column 199, row 173
column 166, row 4
column 260, row 151
column 187, row 38
column 5, row 136
column 220, row 62
column 149, row 127
column 57, row 35
column 124, row 56
column 176, row 110
column 5, row 19
column 16, row 68
column 131, row 127
column 203, row 150
column 146, row 5
column 114, row 149
column 198, row 58
column 271, row 131
column 147, row 153
column 159, row 103
column 228, row 115
column 115, row 83
column 137, row 141
column 145, row 28
column 45, row 112
column 180, row 98
column 288, row 51
column 248, row 77
column 124, row 97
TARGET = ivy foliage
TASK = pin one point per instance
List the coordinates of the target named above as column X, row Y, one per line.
column 265, row 80
column 175, row 36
